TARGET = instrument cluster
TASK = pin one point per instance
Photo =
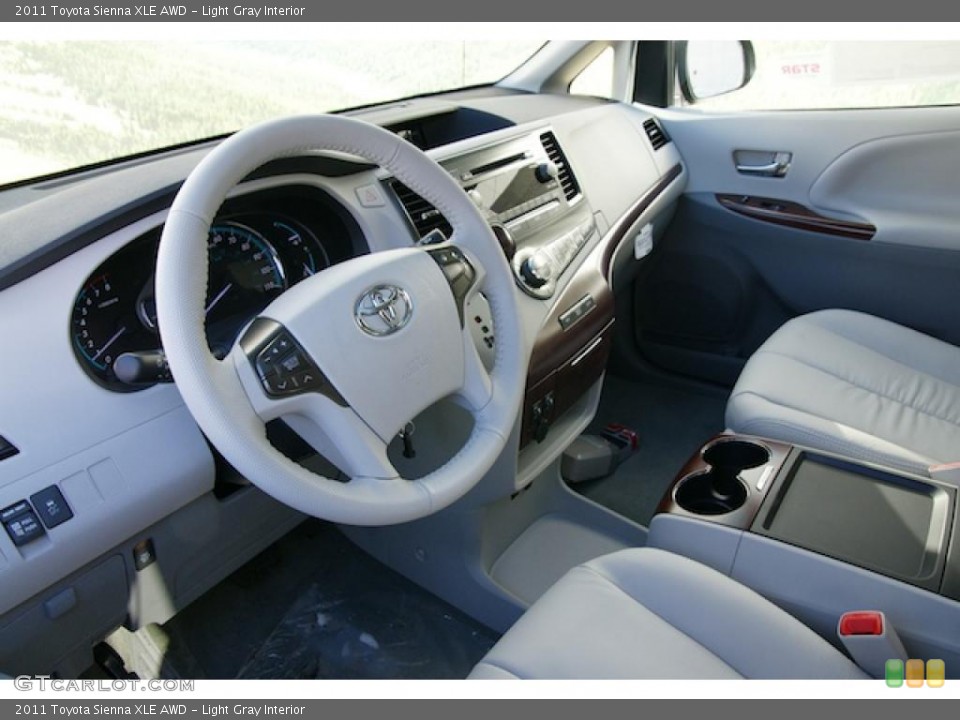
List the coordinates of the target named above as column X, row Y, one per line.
column 258, row 246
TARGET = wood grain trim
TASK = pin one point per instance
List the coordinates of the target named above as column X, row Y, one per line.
column 742, row 518
column 554, row 345
column 794, row 215
column 627, row 220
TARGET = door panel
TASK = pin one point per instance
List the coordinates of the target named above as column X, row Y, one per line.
column 907, row 185
column 721, row 281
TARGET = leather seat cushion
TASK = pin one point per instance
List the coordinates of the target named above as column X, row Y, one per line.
column 856, row 385
column 646, row 613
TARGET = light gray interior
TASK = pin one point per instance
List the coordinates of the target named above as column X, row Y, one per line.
column 593, row 580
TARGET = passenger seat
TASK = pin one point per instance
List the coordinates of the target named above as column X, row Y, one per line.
column 853, row 384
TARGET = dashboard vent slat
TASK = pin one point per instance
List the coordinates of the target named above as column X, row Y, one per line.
column 657, row 135
column 564, row 172
column 424, row 216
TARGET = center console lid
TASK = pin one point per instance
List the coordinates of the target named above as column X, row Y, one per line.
column 821, row 535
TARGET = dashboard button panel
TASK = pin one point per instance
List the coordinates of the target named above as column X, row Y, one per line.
column 51, row 506
column 583, row 306
column 21, row 523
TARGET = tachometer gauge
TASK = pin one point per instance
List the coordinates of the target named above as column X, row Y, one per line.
column 94, row 303
column 105, row 324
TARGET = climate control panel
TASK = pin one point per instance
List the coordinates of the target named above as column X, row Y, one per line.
column 537, row 269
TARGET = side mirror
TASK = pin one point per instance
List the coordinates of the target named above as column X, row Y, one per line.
column 707, row 68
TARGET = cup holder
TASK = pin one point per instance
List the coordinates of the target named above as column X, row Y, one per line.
column 701, row 494
column 719, row 489
column 735, row 455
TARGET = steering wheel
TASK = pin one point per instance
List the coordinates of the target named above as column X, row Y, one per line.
column 350, row 355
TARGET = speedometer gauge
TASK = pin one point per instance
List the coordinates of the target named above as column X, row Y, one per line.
column 115, row 311
column 245, row 276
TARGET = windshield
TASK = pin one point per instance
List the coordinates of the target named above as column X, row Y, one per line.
column 72, row 103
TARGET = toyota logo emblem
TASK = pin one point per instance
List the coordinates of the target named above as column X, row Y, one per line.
column 382, row 310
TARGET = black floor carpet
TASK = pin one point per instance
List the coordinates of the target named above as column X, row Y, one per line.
column 315, row 606
column 672, row 421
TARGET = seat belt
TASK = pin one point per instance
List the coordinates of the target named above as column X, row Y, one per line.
column 870, row 640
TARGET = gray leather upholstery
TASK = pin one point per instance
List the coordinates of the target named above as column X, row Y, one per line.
column 646, row 613
column 856, row 385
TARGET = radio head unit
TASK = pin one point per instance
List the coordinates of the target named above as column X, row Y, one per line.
column 525, row 189
column 522, row 184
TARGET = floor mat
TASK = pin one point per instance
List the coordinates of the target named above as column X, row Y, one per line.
column 672, row 421
column 316, row 606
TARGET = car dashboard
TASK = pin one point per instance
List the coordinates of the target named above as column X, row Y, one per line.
column 90, row 409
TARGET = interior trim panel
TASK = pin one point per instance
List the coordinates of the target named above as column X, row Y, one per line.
column 794, row 215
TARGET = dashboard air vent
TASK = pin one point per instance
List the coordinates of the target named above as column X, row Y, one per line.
column 424, row 216
column 565, row 173
column 658, row 136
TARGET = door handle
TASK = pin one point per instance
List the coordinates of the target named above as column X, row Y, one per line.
column 771, row 164
column 774, row 169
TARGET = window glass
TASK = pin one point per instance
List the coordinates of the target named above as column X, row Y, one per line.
column 70, row 103
column 866, row 74
column 596, row 78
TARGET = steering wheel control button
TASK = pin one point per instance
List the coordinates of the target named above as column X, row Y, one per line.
column 21, row 523
column 459, row 273
column 383, row 310
column 283, row 367
column 434, row 237
column 276, row 349
column 51, row 507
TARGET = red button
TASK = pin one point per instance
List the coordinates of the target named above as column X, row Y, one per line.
column 861, row 623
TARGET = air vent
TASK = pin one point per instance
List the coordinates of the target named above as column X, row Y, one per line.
column 565, row 173
column 658, row 136
column 424, row 216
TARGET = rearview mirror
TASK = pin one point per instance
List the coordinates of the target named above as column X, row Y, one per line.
column 707, row 68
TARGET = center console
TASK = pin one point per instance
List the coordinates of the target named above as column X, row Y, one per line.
column 530, row 188
column 821, row 534
column 526, row 189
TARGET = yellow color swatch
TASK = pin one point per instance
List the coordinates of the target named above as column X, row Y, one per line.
column 936, row 672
